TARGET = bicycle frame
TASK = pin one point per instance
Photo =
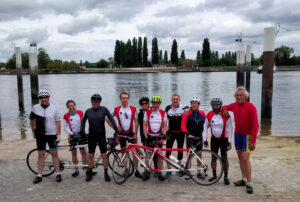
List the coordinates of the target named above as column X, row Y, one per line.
column 156, row 150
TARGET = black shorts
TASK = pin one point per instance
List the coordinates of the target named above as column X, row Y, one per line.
column 151, row 141
column 42, row 140
column 93, row 140
column 124, row 140
column 179, row 137
column 216, row 143
column 191, row 141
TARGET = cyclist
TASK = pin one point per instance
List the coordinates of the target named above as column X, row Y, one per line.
column 174, row 113
column 144, row 103
column 71, row 123
column 96, row 118
column 155, row 123
column 246, row 128
column 192, row 125
column 221, row 131
column 127, row 124
column 46, row 126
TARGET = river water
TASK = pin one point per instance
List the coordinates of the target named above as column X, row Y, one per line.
column 206, row 85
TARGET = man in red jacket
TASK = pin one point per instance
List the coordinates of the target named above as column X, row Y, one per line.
column 246, row 128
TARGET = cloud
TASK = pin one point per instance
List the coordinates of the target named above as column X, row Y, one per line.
column 178, row 10
column 82, row 24
column 37, row 35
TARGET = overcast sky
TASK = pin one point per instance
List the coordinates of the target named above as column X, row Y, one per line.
column 87, row 29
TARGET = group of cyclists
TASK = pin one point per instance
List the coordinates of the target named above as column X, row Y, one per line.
column 176, row 122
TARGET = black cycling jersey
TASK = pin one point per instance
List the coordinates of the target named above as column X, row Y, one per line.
column 96, row 119
column 141, row 122
column 175, row 117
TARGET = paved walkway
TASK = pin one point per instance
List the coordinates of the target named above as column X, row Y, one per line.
column 276, row 177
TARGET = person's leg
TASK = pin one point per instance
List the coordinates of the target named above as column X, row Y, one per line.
column 41, row 162
column 83, row 156
column 214, row 146
column 180, row 141
column 169, row 144
column 74, row 158
column 53, row 151
column 103, row 149
column 92, row 142
column 223, row 148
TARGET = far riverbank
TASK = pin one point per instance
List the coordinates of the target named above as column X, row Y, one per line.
column 144, row 70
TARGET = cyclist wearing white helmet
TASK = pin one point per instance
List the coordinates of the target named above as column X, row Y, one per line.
column 221, row 131
column 46, row 126
column 192, row 126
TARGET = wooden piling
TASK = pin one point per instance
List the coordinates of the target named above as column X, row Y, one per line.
column 34, row 81
column 267, row 77
column 19, row 77
column 240, row 71
column 248, row 69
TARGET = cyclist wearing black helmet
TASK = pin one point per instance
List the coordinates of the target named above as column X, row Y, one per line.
column 221, row 131
column 96, row 118
column 144, row 103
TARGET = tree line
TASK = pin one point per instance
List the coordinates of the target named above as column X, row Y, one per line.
column 134, row 53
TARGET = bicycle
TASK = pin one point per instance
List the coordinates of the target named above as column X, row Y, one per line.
column 32, row 157
column 196, row 164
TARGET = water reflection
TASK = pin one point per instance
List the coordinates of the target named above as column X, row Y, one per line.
column 174, row 83
column 265, row 127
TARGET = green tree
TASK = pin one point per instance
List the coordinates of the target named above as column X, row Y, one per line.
column 166, row 57
column 174, row 53
column 118, row 53
column 206, row 54
column 182, row 55
column 87, row 64
column 102, row 64
column 198, row 58
column 134, row 54
column 139, row 54
column 160, row 58
column 128, row 57
column 65, row 65
column 145, row 53
column 43, row 58
column 155, row 54
column 283, row 54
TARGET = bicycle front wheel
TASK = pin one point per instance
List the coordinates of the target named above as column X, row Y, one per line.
column 201, row 166
column 32, row 161
column 121, row 167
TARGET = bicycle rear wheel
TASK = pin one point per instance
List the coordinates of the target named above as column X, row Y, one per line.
column 121, row 169
column 199, row 167
column 32, row 160
column 111, row 156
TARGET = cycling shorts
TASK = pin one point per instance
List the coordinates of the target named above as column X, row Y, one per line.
column 192, row 142
column 94, row 140
column 124, row 140
column 217, row 144
column 42, row 140
column 77, row 142
column 242, row 142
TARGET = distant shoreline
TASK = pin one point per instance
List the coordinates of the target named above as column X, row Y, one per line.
column 145, row 70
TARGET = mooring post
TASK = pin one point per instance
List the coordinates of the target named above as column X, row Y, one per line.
column 34, row 80
column 240, row 70
column 248, row 69
column 19, row 77
column 0, row 128
column 267, row 77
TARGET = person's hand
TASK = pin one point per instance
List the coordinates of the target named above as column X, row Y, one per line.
column 57, row 139
column 119, row 129
column 205, row 144
column 146, row 136
column 252, row 147
column 191, row 136
column 228, row 146
column 225, row 112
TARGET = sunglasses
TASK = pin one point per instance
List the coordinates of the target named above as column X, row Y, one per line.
column 144, row 103
column 43, row 98
column 126, row 116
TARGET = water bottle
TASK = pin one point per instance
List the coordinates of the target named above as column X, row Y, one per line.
column 175, row 160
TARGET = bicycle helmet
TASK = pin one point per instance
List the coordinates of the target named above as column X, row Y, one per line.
column 96, row 97
column 143, row 99
column 156, row 99
column 216, row 101
column 44, row 93
column 195, row 99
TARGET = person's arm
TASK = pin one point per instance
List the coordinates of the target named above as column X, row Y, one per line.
column 32, row 120
column 183, row 124
column 205, row 130
column 227, row 108
column 165, row 125
column 145, row 124
column 111, row 119
column 82, row 125
column 58, row 128
column 254, row 127
column 136, row 123
column 229, row 129
column 66, row 127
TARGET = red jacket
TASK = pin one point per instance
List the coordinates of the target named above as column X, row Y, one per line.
column 245, row 118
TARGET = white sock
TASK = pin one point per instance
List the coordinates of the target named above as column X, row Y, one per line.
column 57, row 174
column 249, row 183
column 244, row 179
column 39, row 175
